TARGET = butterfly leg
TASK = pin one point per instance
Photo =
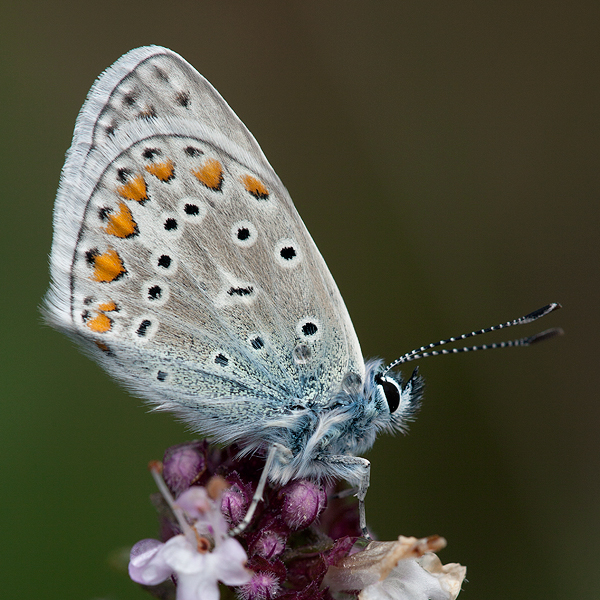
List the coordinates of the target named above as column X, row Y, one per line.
column 260, row 488
column 361, row 468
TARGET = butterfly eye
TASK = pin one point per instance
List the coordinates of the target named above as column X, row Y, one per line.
column 391, row 391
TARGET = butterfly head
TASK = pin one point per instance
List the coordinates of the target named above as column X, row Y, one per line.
column 388, row 402
column 402, row 399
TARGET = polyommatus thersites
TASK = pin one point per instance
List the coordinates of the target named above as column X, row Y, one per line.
column 180, row 264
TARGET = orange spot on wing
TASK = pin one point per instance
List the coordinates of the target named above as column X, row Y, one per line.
column 107, row 306
column 134, row 189
column 121, row 224
column 255, row 187
column 164, row 170
column 210, row 174
column 102, row 346
column 108, row 266
column 100, row 324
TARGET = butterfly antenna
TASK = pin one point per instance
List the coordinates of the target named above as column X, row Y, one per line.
column 425, row 351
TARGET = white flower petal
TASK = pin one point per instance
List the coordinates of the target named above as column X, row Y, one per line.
column 405, row 569
column 450, row 576
column 146, row 565
column 230, row 559
column 195, row 502
column 199, row 586
column 408, row 581
column 376, row 561
column 182, row 557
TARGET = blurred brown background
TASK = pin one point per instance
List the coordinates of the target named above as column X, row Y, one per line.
column 444, row 157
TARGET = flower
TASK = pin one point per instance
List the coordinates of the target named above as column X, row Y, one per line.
column 196, row 563
column 405, row 569
column 197, row 571
column 303, row 542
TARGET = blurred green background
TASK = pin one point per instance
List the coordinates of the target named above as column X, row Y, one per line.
column 444, row 156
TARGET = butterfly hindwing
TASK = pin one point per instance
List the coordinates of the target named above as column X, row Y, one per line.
column 179, row 259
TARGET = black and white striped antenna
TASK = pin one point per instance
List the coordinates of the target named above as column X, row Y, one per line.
column 426, row 351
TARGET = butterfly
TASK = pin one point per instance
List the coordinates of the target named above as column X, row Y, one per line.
column 180, row 264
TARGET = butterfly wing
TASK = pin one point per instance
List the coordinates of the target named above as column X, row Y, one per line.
column 180, row 263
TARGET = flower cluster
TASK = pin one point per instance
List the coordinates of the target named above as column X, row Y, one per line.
column 303, row 542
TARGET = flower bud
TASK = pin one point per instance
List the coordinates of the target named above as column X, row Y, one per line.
column 302, row 502
column 235, row 501
column 269, row 542
column 182, row 465
column 266, row 580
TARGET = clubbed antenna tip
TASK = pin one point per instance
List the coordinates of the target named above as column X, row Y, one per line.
column 426, row 351
column 545, row 335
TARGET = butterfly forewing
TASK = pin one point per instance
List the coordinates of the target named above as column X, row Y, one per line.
column 179, row 258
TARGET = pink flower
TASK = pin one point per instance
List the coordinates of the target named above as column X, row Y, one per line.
column 198, row 572
column 300, row 544
column 196, row 562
